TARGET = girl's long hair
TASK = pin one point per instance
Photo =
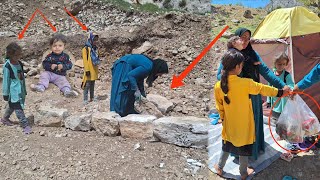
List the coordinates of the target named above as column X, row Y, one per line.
column 230, row 60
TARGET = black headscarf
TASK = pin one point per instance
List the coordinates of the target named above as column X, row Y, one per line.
column 159, row 66
column 249, row 70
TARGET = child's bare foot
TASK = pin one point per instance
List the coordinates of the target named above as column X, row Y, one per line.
column 219, row 171
column 249, row 172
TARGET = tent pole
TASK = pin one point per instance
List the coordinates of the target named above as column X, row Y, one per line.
column 291, row 52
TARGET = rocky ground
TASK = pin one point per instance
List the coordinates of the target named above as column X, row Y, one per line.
column 54, row 152
column 175, row 37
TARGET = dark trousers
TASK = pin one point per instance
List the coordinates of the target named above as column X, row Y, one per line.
column 16, row 107
column 88, row 87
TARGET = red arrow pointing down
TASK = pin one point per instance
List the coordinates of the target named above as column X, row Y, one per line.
column 177, row 80
column 21, row 34
column 44, row 17
column 74, row 18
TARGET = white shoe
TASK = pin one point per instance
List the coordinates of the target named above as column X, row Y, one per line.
column 70, row 94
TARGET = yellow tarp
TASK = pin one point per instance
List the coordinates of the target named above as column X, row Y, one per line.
column 277, row 23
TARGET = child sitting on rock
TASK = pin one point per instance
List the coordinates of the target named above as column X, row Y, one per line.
column 90, row 61
column 56, row 64
column 14, row 87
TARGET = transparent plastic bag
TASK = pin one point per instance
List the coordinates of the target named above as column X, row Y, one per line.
column 296, row 121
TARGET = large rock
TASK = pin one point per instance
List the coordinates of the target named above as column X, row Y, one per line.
column 49, row 116
column 79, row 63
column 32, row 72
column 182, row 131
column 144, row 48
column 147, row 108
column 53, row 112
column 227, row 34
column 79, row 122
column 247, row 14
column 7, row 34
column 74, row 7
column 106, row 123
column 162, row 103
column 49, row 122
column 137, row 126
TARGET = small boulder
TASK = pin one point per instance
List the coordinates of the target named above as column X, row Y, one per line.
column 162, row 103
column 79, row 122
column 247, row 14
column 182, row 131
column 106, row 123
column 142, row 49
column 137, row 126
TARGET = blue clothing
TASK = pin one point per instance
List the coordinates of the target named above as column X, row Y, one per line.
column 53, row 58
column 311, row 78
column 282, row 102
column 219, row 71
column 257, row 103
column 14, row 85
column 128, row 74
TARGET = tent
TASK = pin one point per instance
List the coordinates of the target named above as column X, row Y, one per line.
column 295, row 31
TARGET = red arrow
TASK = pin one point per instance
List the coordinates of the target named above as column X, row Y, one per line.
column 44, row 17
column 82, row 25
column 177, row 80
column 21, row 35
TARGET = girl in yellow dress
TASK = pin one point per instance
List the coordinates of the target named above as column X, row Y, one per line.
column 233, row 103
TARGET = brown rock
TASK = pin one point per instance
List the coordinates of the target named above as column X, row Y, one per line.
column 247, row 14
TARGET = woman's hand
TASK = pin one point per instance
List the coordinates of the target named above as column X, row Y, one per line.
column 295, row 89
column 266, row 104
column 286, row 90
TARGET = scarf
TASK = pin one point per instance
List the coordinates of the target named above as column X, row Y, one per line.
column 249, row 70
column 89, row 43
column 159, row 66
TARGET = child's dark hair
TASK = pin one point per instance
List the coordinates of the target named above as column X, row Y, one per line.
column 58, row 37
column 12, row 49
column 230, row 60
column 232, row 40
column 281, row 57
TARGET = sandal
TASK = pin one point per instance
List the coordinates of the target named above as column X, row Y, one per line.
column 295, row 148
column 286, row 156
